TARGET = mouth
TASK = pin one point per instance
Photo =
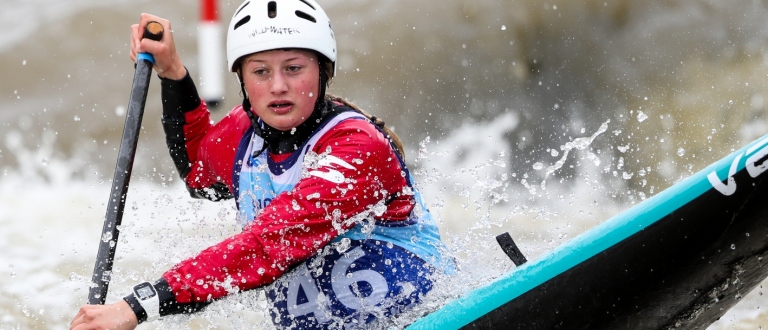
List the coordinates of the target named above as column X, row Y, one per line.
column 280, row 104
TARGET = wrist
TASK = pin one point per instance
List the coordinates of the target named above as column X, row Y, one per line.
column 127, row 311
column 177, row 72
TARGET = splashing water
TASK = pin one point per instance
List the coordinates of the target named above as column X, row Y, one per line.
column 578, row 144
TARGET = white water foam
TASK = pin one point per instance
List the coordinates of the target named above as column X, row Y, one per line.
column 51, row 224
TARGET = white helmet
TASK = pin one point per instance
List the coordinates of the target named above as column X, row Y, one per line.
column 260, row 25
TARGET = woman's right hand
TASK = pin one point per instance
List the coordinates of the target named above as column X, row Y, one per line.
column 117, row 316
column 167, row 62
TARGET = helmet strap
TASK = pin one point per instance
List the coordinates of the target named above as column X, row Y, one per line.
column 247, row 106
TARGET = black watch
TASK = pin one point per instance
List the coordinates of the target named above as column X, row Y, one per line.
column 148, row 298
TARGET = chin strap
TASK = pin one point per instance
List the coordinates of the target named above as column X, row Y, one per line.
column 247, row 106
column 251, row 116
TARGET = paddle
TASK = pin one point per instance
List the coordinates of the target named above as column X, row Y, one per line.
column 102, row 271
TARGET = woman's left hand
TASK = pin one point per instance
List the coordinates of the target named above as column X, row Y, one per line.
column 117, row 316
column 167, row 61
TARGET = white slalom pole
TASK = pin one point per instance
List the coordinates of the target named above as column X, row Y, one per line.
column 211, row 54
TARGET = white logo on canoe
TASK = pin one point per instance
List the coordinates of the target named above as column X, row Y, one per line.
column 330, row 174
column 753, row 168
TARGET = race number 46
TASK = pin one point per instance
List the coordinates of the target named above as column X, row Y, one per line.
column 345, row 283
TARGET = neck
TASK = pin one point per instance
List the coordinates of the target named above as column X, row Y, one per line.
column 281, row 142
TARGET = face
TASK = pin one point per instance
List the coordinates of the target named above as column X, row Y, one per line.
column 282, row 86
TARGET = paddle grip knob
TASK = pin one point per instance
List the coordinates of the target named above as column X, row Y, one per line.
column 153, row 31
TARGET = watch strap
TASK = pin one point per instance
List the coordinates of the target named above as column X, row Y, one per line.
column 133, row 302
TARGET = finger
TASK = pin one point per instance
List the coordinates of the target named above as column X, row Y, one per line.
column 135, row 36
column 146, row 18
column 152, row 46
column 78, row 320
column 133, row 49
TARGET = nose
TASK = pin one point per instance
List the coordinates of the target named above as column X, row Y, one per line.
column 279, row 84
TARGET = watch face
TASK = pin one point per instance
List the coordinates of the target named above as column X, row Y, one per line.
column 145, row 291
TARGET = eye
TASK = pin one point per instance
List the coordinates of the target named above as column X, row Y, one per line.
column 293, row 68
column 260, row 71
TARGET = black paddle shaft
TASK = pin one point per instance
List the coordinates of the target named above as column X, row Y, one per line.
column 102, row 271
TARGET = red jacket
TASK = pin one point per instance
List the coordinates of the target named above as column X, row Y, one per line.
column 282, row 234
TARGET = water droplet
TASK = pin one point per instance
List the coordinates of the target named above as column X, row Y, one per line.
column 343, row 245
column 680, row 152
column 311, row 94
column 106, row 237
column 313, row 196
column 538, row 166
column 641, row 116
column 503, row 27
column 733, row 246
column 77, row 118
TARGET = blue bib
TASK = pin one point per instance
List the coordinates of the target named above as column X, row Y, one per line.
column 367, row 279
column 380, row 268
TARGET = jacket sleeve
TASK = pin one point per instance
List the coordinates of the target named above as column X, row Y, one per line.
column 354, row 173
column 202, row 155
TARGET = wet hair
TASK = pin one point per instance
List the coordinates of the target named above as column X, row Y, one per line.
column 377, row 121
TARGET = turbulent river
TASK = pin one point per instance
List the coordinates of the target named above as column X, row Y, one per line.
column 540, row 118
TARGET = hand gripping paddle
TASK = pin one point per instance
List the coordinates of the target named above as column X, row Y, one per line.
column 102, row 271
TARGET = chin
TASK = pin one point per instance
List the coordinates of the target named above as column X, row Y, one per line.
column 285, row 126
